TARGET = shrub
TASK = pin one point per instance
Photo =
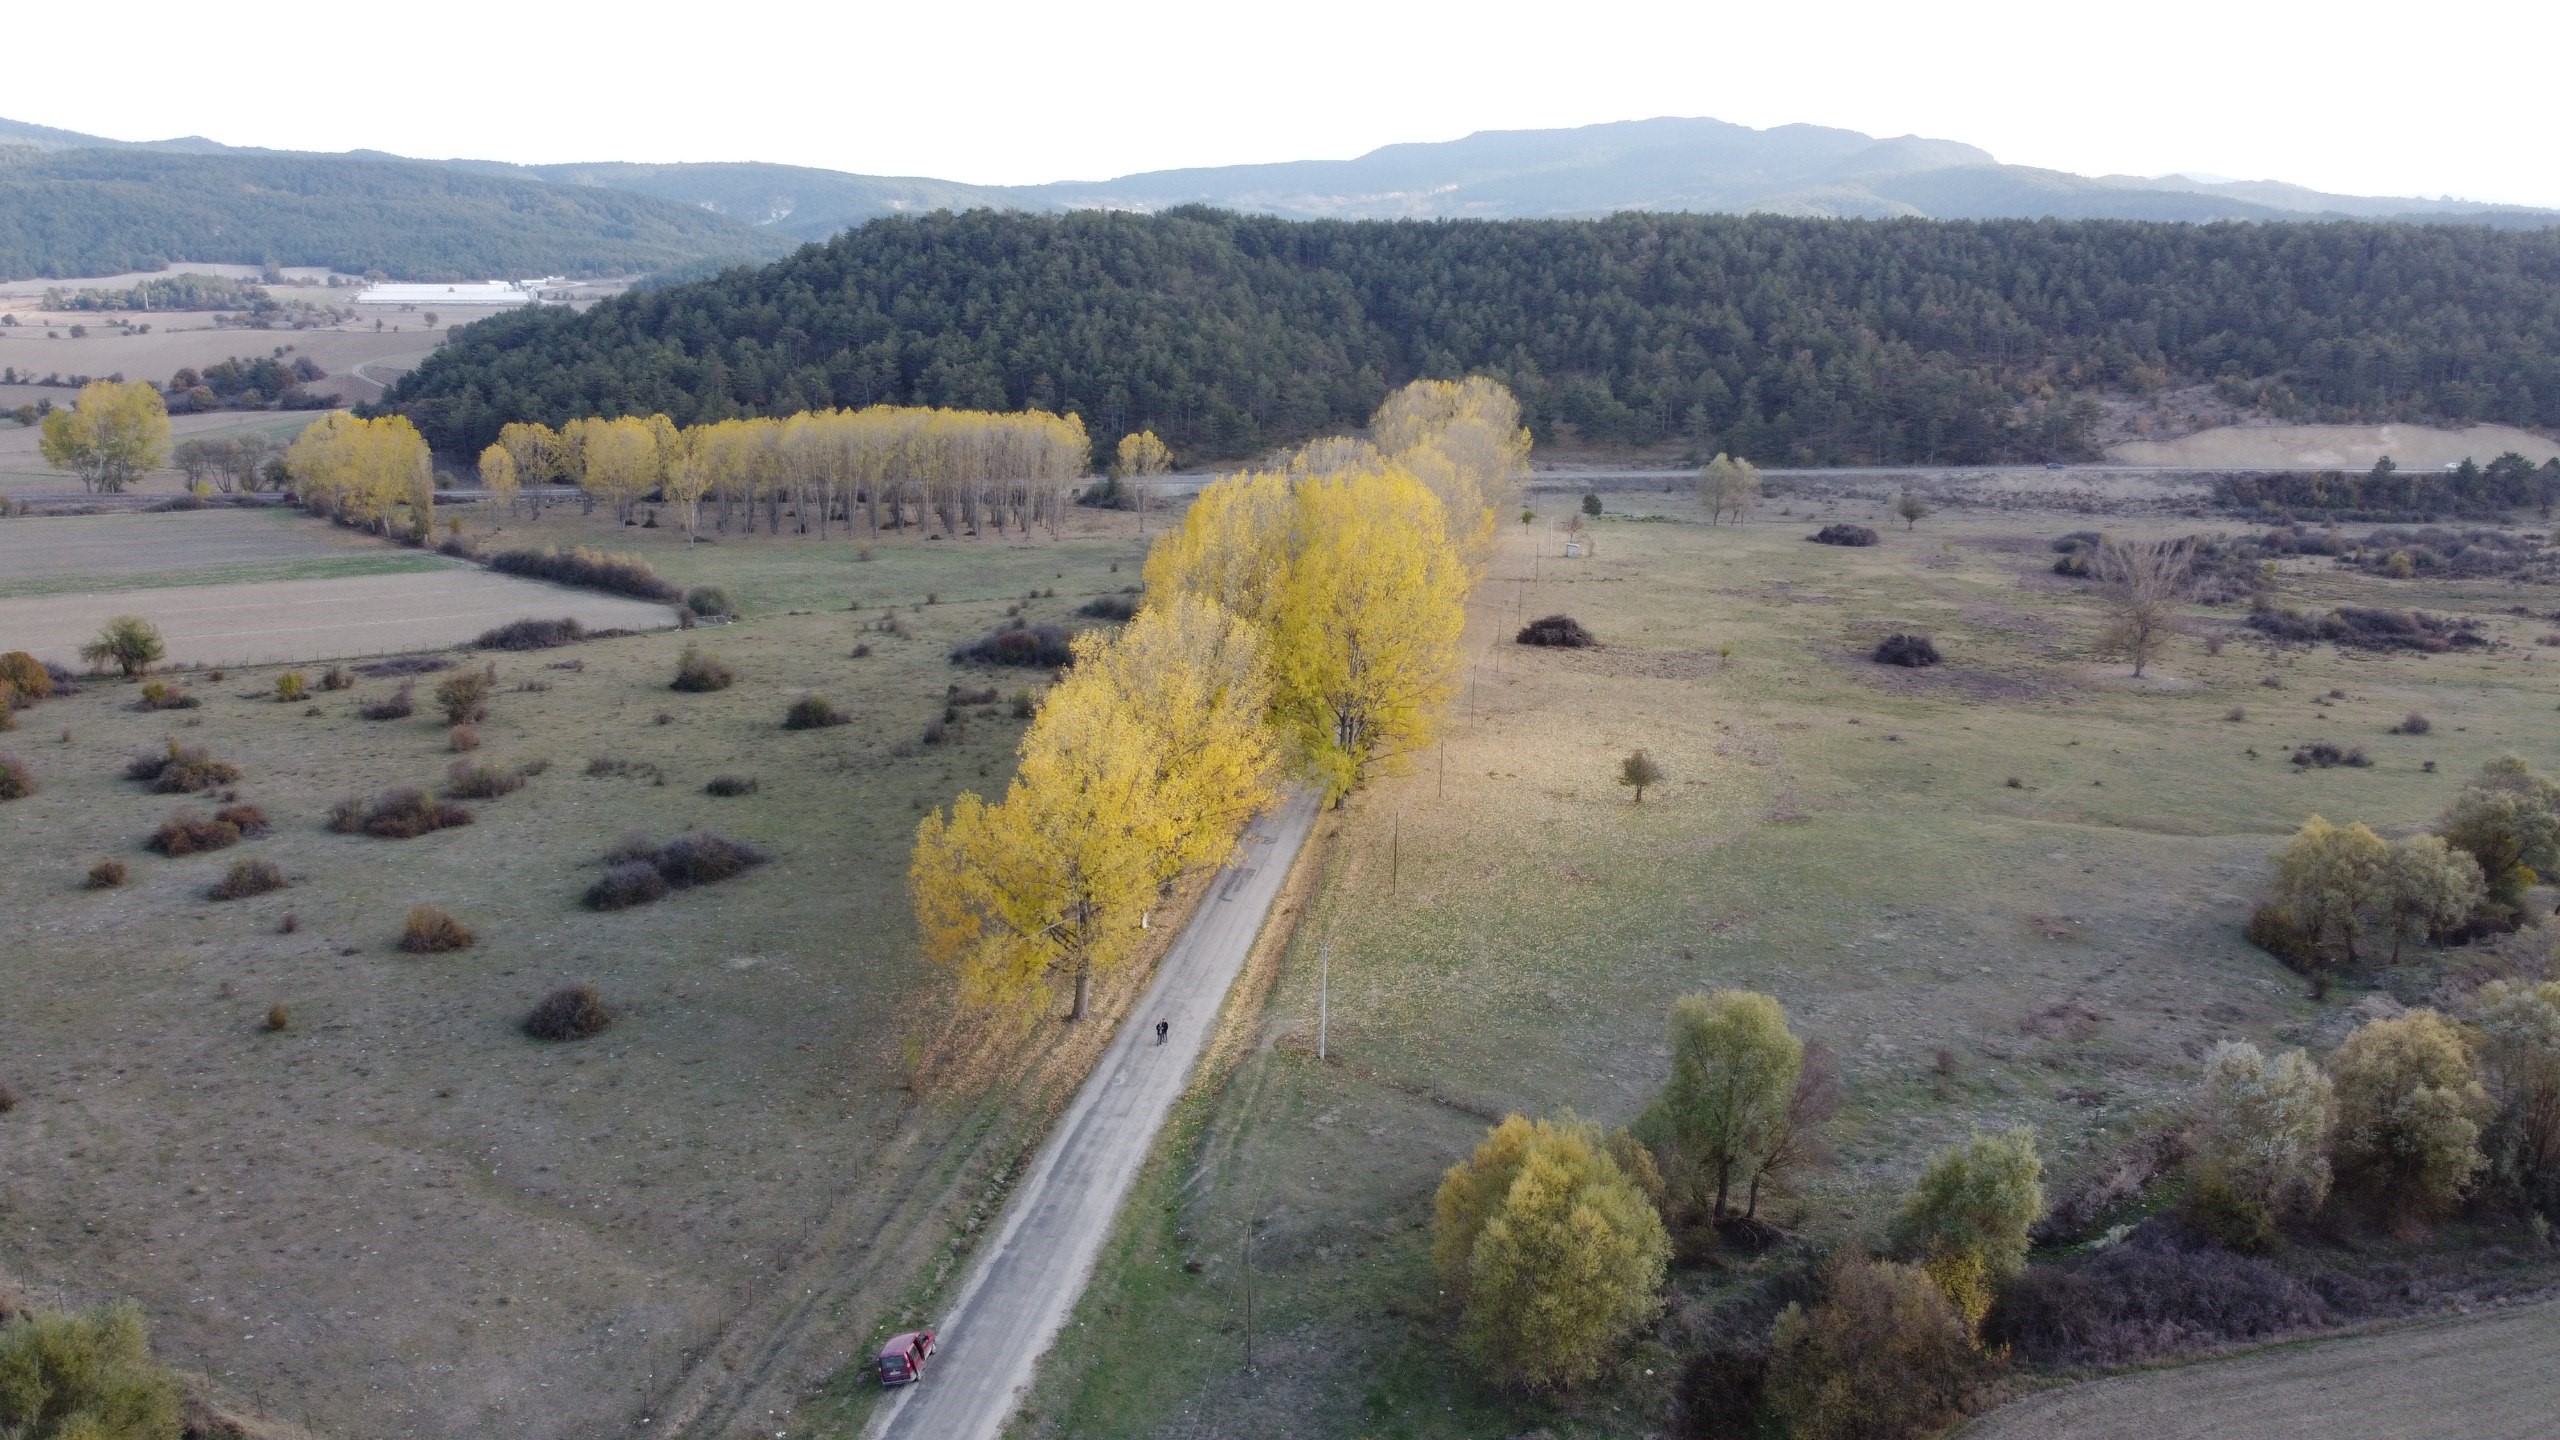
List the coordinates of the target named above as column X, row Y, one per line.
column 86, row 1376
column 2236, row 1222
column 2413, row 724
column 291, row 688
column 813, row 712
column 277, row 1019
column 710, row 602
column 2321, row 755
column 106, row 875
column 462, row 739
column 2236, row 714
column 2508, row 820
column 730, row 786
column 2356, row 628
column 399, row 665
column 1880, row 1356
column 1977, row 1200
column 2261, row 1136
column 2148, row 1297
column 2519, row 1027
column 1912, row 651
column 1025, row 704
column 128, row 642
column 572, row 1012
column 633, row 882
column 1110, row 607
column 20, row 672
column 532, row 635
column 2327, row 877
column 400, row 706
column 430, row 931
column 336, row 678
column 2410, row 1111
column 17, row 782
column 699, row 673
column 161, row 695
column 401, row 814
column 1551, row 1253
column 861, row 652
column 1843, row 535
column 591, row 569
column 969, row 695
column 701, row 858
column 246, row 878
column 181, row 770
column 1032, row 646
column 1556, row 630
column 248, row 819
column 937, row 732
column 479, row 780
column 464, row 698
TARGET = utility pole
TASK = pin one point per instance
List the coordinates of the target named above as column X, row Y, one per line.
column 1324, row 997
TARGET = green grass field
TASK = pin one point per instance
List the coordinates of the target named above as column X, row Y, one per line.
column 2007, row 890
column 402, row 1216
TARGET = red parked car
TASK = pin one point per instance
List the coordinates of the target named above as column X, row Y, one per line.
column 902, row 1359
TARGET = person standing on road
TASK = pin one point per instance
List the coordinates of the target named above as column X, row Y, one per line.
column 1161, row 1027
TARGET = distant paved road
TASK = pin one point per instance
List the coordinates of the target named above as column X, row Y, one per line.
column 2482, row 1377
column 1026, row 1281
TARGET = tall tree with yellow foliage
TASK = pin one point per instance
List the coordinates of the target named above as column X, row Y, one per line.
column 1463, row 439
column 1198, row 682
column 113, row 435
column 365, row 472
column 1055, row 880
column 498, row 475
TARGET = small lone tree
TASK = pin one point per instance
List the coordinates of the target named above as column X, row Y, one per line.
column 2410, row 1111
column 1591, row 503
column 1912, row 509
column 128, row 642
column 1552, row 1253
column 2142, row 583
column 114, row 434
column 1637, row 772
column 1728, row 485
column 2427, row 886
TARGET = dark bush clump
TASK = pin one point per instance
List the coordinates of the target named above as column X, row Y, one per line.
column 161, row 695
column 399, row 665
column 2273, row 929
column 1041, row 646
column 479, row 780
column 106, row 875
column 698, row 673
column 592, row 569
column 813, row 712
column 17, row 782
column 400, row 814
column 336, row 678
column 710, row 602
column 249, row 819
column 971, row 694
column 247, row 878
column 572, row 1012
column 181, row 769
column 1556, row 630
column 2352, row 627
column 633, row 882
column 2151, row 1295
column 400, row 706
column 431, row 931
column 2320, row 755
column 1911, row 651
column 1110, row 607
column 1843, row 535
column 191, row 832
column 2413, row 724
column 729, row 787
column 532, row 635
column 701, row 858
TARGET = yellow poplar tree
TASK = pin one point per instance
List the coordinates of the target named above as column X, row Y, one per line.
column 1055, row 879
column 498, row 475
column 116, row 433
column 1197, row 680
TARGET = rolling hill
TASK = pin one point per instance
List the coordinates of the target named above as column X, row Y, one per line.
column 70, row 210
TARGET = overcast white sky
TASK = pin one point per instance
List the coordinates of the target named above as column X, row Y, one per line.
column 2448, row 98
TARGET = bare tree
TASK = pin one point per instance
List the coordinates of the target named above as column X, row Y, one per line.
column 2143, row 581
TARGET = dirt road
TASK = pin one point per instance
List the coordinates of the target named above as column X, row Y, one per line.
column 1024, row 1284
column 2477, row 1378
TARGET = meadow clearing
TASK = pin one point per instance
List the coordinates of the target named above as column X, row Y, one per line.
column 2005, row 890
column 401, row 1216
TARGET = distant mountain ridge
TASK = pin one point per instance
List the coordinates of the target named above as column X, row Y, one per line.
column 1667, row 164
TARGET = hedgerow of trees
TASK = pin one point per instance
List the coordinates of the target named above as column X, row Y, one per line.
column 1797, row 341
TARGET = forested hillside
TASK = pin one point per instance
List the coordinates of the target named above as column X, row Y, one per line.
column 1789, row 340
column 102, row 212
